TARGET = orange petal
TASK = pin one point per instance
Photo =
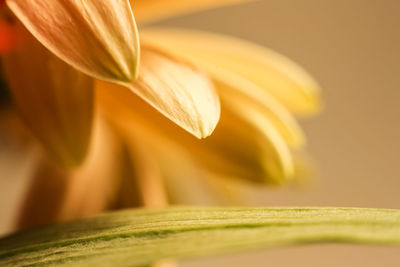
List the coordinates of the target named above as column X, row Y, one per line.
column 56, row 194
column 9, row 37
column 99, row 38
column 54, row 99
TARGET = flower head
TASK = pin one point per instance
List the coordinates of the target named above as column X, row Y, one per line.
column 129, row 128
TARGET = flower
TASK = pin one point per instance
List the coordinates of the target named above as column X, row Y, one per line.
column 97, row 38
column 107, row 144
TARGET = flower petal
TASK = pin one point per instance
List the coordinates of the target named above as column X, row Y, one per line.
column 57, row 195
column 276, row 156
column 179, row 174
column 17, row 159
column 177, row 90
column 238, row 148
column 99, row 38
column 55, row 100
column 142, row 182
column 232, row 86
column 278, row 75
column 148, row 11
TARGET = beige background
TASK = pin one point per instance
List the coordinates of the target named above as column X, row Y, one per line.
column 352, row 48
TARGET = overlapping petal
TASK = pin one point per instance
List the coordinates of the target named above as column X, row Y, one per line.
column 55, row 194
column 237, row 148
column 232, row 86
column 99, row 38
column 179, row 91
column 177, row 177
column 282, row 78
column 142, row 182
column 54, row 99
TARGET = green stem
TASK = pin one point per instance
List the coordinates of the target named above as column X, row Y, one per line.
column 139, row 237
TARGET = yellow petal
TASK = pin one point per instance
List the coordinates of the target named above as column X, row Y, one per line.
column 276, row 156
column 238, row 148
column 282, row 78
column 232, row 86
column 99, row 38
column 54, row 99
column 148, row 11
column 193, row 184
column 178, row 91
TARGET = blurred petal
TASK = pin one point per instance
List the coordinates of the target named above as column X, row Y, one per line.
column 57, row 195
column 282, row 78
column 9, row 37
column 55, row 100
column 238, row 148
column 5, row 96
column 179, row 174
column 18, row 156
column 142, row 184
column 99, row 38
column 178, row 91
column 185, row 179
column 148, row 11
column 277, row 158
column 232, row 86
column 188, row 182
column 182, row 177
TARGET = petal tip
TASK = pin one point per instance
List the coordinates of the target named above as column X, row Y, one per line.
column 209, row 129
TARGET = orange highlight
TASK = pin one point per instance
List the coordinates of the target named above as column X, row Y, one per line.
column 9, row 37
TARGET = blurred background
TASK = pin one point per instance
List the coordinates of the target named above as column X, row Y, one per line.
column 352, row 49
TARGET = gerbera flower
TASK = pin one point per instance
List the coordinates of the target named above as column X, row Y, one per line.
column 81, row 66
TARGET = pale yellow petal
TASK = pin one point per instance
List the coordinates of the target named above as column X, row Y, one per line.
column 99, row 38
column 148, row 11
column 232, row 86
column 276, row 158
column 238, row 148
column 54, row 100
column 281, row 77
column 180, row 92
column 194, row 184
